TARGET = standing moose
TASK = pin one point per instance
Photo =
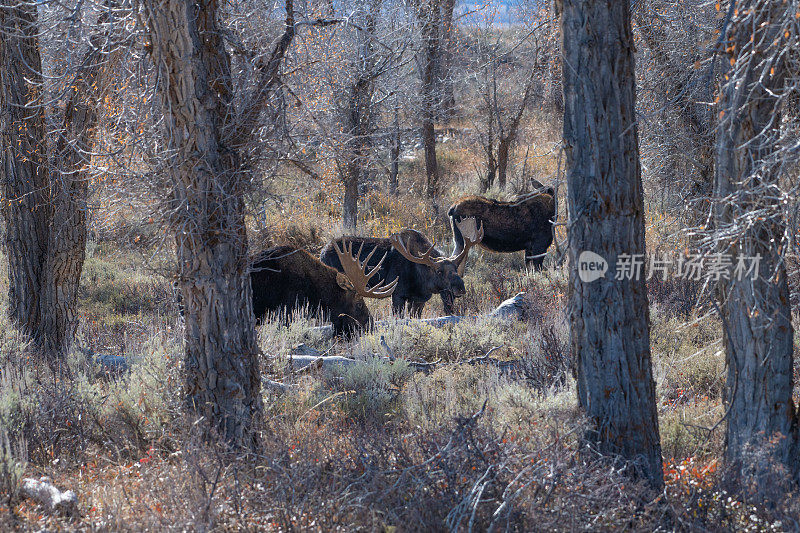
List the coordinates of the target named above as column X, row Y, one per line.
column 524, row 224
column 420, row 269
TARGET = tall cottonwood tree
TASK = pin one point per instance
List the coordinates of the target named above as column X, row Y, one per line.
column 45, row 194
column 207, row 183
column 434, row 18
column 609, row 322
column 751, row 162
column 207, row 135
column 358, row 112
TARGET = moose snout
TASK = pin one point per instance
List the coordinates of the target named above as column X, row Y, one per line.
column 458, row 288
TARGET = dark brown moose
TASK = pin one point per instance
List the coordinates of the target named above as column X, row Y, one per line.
column 286, row 277
column 419, row 268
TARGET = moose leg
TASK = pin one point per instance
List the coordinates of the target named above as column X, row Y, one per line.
column 537, row 247
column 415, row 309
column 534, row 258
column 398, row 305
column 448, row 301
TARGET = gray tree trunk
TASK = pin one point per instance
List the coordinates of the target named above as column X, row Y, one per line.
column 46, row 241
column 756, row 313
column 351, row 177
column 431, row 165
column 503, row 151
column 359, row 119
column 609, row 318
column 429, row 15
column 25, row 178
column 491, row 160
column 445, row 63
column 394, row 164
column 221, row 354
column 69, row 192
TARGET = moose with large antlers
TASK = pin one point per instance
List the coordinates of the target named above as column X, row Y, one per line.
column 411, row 259
column 285, row 277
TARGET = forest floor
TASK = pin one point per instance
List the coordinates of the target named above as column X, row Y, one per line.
column 376, row 446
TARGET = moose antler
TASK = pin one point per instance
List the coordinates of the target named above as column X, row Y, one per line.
column 472, row 232
column 358, row 274
column 425, row 259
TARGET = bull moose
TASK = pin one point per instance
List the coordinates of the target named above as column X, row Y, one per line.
column 523, row 224
column 284, row 277
column 419, row 268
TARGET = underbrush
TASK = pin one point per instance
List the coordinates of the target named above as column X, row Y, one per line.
column 380, row 445
column 108, row 290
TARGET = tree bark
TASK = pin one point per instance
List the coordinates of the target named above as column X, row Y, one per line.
column 491, row 161
column 221, row 353
column 429, row 14
column 352, row 176
column 394, row 165
column 46, row 220
column 359, row 119
column 609, row 318
column 445, row 74
column 69, row 192
column 503, row 150
column 24, row 162
column 756, row 313
column 431, row 165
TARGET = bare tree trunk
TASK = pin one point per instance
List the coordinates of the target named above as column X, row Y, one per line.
column 503, row 149
column 222, row 368
column 758, row 333
column 609, row 318
column 394, row 168
column 429, row 14
column 66, row 250
column 359, row 119
column 352, row 175
column 46, row 241
column 448, row 102
column 24, row 162
column 431, row 165
column 491, row 161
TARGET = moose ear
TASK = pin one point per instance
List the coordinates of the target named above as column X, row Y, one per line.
column 343, row 282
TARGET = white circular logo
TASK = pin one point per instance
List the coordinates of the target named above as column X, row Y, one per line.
column 591, row 266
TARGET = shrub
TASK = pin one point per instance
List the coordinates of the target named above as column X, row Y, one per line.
column 368, row 392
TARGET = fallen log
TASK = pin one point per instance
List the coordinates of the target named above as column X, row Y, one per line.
column 306, row 363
